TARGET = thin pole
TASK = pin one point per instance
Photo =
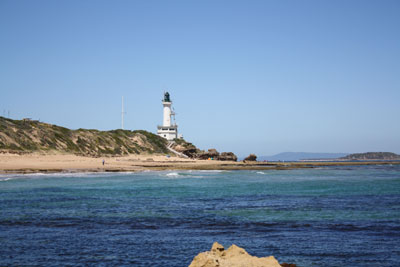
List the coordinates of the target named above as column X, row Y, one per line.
column 122, row 113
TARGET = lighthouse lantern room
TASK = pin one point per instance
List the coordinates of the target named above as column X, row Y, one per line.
column 169, row 129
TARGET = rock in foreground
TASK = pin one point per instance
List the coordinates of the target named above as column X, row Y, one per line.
column 232, row 257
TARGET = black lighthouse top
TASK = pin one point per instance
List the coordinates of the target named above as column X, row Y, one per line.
column 166, row 97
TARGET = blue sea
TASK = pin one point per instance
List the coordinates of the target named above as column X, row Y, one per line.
column 335, row 216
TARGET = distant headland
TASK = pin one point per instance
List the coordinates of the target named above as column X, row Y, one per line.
column 307, row 156
column 372, row 156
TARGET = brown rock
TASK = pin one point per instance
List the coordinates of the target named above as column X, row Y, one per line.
column 251, row 157
column 232, row 257
column 191, row 152
column 288, row 264
column 227, row 156
column 212, row 153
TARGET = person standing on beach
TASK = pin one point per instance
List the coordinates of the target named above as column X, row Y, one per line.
column 104, row 162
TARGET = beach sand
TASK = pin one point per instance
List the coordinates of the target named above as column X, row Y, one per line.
column 67, row 162
column 35, row 162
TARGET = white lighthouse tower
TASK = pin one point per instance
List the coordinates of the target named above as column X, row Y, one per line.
column 169, row 129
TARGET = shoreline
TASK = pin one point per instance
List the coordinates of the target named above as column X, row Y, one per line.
column 68, row 163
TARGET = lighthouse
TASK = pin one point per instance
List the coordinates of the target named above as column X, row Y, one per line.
column 169, row 129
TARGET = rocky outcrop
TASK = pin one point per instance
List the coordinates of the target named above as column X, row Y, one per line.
column 234, row 256
column 227, row 156
column 211, row 153
column 251, row 157
column 186, row 148
column 215, row 155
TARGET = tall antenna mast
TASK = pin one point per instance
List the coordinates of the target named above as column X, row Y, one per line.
column 122, row 114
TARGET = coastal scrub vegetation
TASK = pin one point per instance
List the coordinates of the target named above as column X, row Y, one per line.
column 25, row 136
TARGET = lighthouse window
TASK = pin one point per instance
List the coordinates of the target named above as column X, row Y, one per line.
column 165, row 129
column 165, row 135
column 171, row 129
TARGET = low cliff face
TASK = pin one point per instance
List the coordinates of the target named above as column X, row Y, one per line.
column 232, row 257
column 20, row 136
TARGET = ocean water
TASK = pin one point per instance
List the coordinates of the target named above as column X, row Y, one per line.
column 343, row 216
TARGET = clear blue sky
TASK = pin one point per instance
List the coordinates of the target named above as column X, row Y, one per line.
column 245, row 76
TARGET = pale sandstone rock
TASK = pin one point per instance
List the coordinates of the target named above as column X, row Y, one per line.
column 179, row 148
column 232, row 257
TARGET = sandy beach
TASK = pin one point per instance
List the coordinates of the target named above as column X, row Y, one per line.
column 35, row 162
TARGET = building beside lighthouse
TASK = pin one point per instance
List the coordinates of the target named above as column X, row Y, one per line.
column 169, row 129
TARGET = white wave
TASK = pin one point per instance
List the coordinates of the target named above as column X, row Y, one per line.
column 173, row 174
column 261, row 172
column 182, row 174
